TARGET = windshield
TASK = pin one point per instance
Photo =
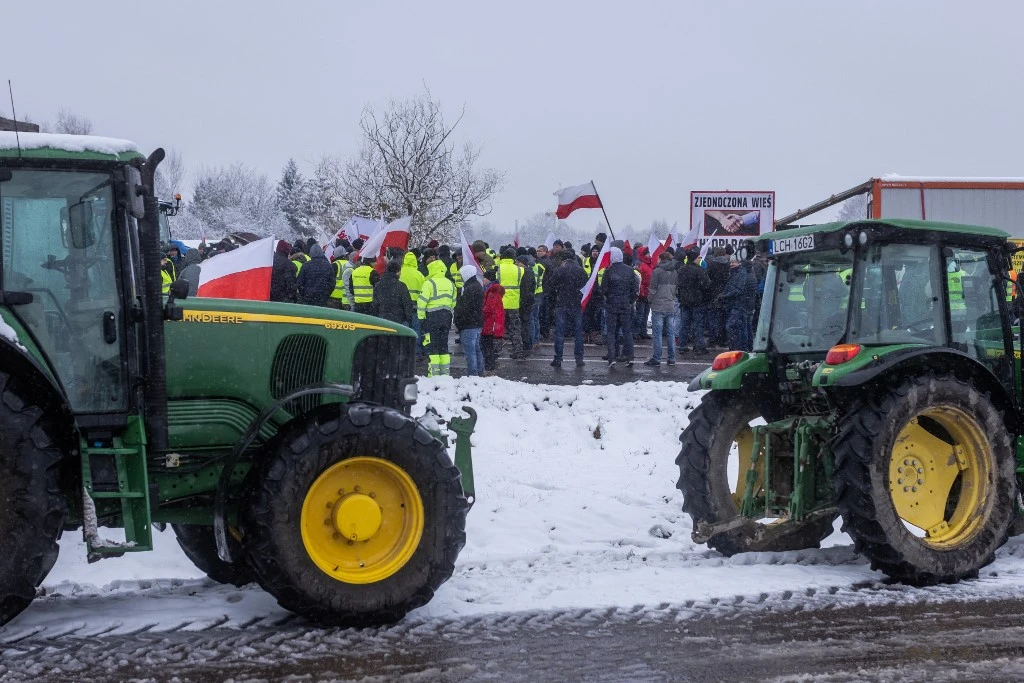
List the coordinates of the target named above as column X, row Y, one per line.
column 57, row 242
column 900, row 297
column 165, row 228
column 811, row 297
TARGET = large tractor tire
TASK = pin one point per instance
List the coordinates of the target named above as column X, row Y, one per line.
column 356, row 517
column 200, row 546
column 719, row 428
column 924, row 475
column 32, row 509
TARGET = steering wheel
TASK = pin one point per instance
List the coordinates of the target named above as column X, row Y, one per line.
column 922, row 325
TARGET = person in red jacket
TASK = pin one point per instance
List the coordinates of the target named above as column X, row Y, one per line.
column 494, row 322
column 643, row 305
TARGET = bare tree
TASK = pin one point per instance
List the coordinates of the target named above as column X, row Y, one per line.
column 71, row 124
column 170, row 175
column 409, row 165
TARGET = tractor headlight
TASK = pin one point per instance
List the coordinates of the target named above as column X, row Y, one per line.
column 848, row 240
column 862, row 238
column 410, row 392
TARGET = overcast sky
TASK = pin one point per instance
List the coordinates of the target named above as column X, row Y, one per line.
column 650, row 100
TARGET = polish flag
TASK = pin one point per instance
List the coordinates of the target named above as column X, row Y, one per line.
column 655, row 247
column 469, row 258
column 356, row 227
column 577, row 197
column 394, row 234
column 692, row 236
column 242, row 273
column 603, row 261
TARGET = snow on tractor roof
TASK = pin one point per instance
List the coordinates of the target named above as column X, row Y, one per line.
column 56, row 146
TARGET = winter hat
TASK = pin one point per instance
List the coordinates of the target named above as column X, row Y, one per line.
column 357, row 244
column 433, row 244
column 283, row 248
column 299, row 245
column 467, row 273
column 616, row 255
column 601, row 237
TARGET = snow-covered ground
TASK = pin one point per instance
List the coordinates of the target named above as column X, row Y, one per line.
column 577, row 509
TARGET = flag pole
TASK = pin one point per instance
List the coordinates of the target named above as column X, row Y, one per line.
column 606, row 221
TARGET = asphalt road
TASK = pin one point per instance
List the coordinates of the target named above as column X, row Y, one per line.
column 947, row 640
column 537, row 368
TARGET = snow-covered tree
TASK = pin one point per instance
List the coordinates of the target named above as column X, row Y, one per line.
column 853, row 209
column 325, row 207
column 237, row 198
column 293, row 199
column 408, row 164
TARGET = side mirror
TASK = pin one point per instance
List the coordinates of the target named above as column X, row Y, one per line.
column 136, row 204
column 5, row 175
column 80, row 225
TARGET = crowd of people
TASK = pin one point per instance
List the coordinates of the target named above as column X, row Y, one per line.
column 512, row 298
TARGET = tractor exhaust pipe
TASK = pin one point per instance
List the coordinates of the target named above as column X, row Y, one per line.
column 156, row 363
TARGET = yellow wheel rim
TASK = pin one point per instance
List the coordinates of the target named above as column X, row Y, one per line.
column 362, row 520
column 939, row 475
column 744, row 441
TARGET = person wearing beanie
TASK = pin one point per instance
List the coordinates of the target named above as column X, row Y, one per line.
column 391, row 297
column 692, row 292
column 433, row 244
column 601, row 238
column 510, row 277
column 469, row 319
column 340, row 299
column 299, row 255
column 282, row 276
column 455, row 273
column 620, row 287
column 527, row 295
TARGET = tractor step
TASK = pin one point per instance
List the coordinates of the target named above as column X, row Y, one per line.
column 116, row 471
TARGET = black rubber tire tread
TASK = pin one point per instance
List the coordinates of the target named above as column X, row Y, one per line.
column 703, row 478
column 32, row 507
column 273, row 508
column 199, row 545
column 862, row 451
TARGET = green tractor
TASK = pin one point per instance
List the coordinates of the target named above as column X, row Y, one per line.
column 275, row 439
column 881, row 387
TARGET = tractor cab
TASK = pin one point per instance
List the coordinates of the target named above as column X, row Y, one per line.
column 840, row 296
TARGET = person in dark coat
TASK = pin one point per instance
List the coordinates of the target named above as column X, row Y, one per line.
column 282, row 280
column 316, row 279
column 190, row 270
column 735, row 301
column 527, row 293
column 620, row 287
column 469, row 319
column 391, row 299
column 718, row 272
column 694, row 285
column 562, row 291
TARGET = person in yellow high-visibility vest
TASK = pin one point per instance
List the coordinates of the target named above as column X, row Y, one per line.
column 955, row 285
column 413, row 279
column 453, row 272
column 538, row 298
column 339, row 296
column 510, row 277
column 364, row 277
column 434, row 309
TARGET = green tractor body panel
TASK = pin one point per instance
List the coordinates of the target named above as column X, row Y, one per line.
column 830, row 375
column 214, row 394
column 59, row 147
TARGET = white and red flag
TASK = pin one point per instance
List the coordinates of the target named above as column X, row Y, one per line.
column 243, row 273
column 655, row 247
column 395, row 234
column 549, row 241
column 692, row 236
column 603, row 261
column 577, row 197
column 469, row 258
column 358, row 227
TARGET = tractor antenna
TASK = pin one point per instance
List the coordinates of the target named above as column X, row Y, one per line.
column 14, row 114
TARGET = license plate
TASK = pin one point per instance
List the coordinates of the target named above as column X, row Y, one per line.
column 788, row 245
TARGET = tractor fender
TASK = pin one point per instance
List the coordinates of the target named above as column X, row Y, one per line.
column 44, row 392
column 889, row 367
